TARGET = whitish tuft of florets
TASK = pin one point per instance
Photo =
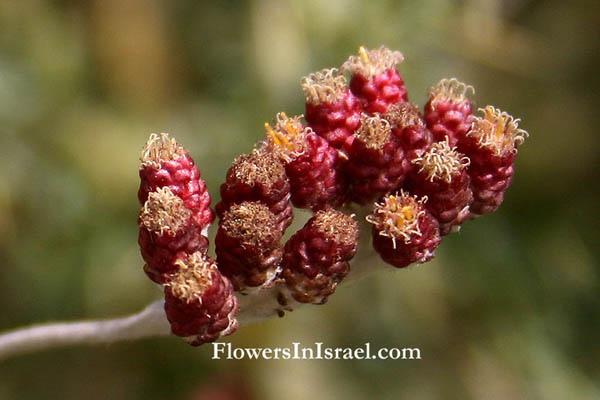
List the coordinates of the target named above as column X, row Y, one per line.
column 397, row 216
column 325, row 86
column 160, row 148
column 450, row 90
column 497, row 130
column 369, row 63
column 441, row 162
column 164, row 212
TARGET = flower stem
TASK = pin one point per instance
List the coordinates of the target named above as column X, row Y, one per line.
column 151, row 321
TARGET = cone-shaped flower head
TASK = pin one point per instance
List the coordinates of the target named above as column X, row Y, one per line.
column 199, row 301
column 408, row 126
column 448, row 110
column 332, row 111
column 441, row 176
column 404, row 231
column 375, row 78
column 316, row 257
column 167, row 231
column 491, row 145
column 165, row 163
column 311, row 164
column 248, row 245
column 377, row 163
column 259, row 176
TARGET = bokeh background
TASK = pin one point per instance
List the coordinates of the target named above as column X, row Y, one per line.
column 509, row 309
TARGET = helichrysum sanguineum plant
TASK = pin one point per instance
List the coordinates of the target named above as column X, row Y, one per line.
column 362, row 143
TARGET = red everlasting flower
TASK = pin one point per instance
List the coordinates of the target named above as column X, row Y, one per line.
column 377, row 163
column 408, row 126
column 199, row 301
column 362, row 142
column 442, row 178
column 491, row 145
column 404, row 232
column 311, row 164
column 316, row 257
column 332, row 111
column 167, row 231
column 166, row 163
column 375, row 78
column 248, row 245
column 259, row 176
column 448, row 110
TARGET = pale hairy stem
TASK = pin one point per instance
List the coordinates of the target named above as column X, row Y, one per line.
column 152, row 321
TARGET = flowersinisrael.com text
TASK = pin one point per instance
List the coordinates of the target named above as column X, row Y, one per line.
column 297, row 351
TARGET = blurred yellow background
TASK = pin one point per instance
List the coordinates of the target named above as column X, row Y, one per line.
column 509, row 309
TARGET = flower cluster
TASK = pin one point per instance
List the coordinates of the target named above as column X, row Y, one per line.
column 175, row 215
column 423, row 173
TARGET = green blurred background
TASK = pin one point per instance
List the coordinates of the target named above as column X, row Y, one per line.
column 509, row 309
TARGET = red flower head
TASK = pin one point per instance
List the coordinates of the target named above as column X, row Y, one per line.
column 259, row 176
column 167, row 231
column 441, row 176
column 248, row 245
column 316, row 257
column 448, row 110
column 408, row 126
column 404, row 231
column 377, row 162
column 199, row 301
column 311, row 164
column 491, row 145
column 375, row 78
column 332, row 111
column 166, row 163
